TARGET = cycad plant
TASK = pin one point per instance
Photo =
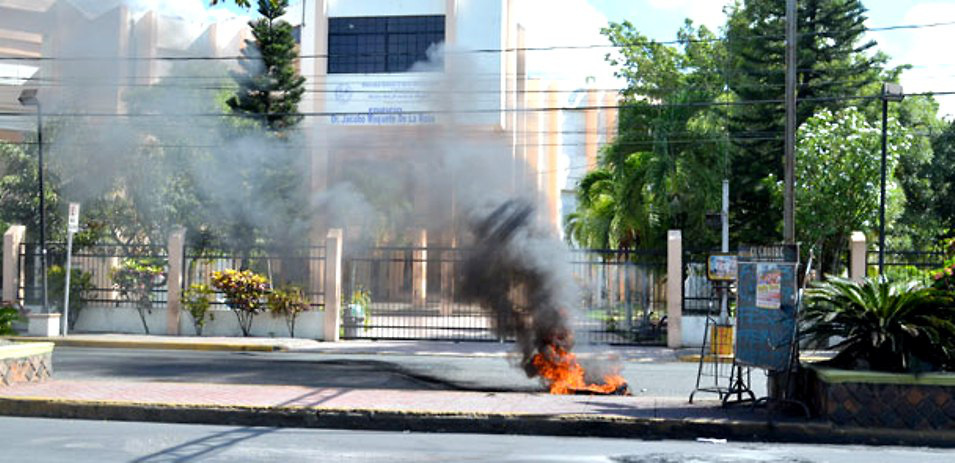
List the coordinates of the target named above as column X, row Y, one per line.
column 882, row 325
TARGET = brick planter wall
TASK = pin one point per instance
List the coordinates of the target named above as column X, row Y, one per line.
column 30, row 363
column 884, row 400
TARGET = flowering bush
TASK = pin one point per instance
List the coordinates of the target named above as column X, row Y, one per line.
column 288, row 302
column 244, row 293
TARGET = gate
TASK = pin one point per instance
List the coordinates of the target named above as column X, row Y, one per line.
column 412, row 293
column 699, row 296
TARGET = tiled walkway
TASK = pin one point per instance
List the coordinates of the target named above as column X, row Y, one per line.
column 439, row 402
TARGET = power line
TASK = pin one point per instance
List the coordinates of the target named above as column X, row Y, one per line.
column 466, row 52
column 481, row 111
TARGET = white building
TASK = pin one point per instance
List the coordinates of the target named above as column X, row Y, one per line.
column 370, row 79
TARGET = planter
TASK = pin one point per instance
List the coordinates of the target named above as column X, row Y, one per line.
column 353, row 321
column 25, row 362
column 885, row 400
column 43, row 324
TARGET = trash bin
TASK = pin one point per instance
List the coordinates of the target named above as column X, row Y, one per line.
column 354, row 320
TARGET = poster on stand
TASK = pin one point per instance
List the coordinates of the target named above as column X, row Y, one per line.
column 768, row 286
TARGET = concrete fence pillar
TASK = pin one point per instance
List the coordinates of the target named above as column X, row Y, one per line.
column 176, row 252
column 11, row 253
column 674, row 289
column 857, row 256
column 419, row 269
column 333, row 284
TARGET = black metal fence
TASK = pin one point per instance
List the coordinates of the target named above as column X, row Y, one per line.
column 303, row 267
column 905, row 264
column 414, row 294
column 699, row 294
column 99, row 261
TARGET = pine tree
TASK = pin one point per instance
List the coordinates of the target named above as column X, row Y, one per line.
column 831, row 62
column 270, row 87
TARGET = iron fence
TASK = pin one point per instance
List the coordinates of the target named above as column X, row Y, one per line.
column 99, row 261
column 699, row 293
column 303, row 267
column 414, row 294
column 901, row 264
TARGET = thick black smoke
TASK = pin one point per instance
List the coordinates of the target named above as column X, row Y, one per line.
column 528, row 297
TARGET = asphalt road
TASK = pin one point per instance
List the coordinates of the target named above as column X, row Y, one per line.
column 347, row 370
column 40, row 440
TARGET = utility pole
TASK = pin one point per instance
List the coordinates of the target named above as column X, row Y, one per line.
column 789, row 200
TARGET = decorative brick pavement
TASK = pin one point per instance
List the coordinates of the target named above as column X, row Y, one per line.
column 192, row 394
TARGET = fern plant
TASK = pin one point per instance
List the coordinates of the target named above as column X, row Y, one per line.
column 882, row 325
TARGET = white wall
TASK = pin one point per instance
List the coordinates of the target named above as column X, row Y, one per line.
column 480, row 26
column 309, row 325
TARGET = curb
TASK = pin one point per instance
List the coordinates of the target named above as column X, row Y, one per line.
column 710, row 358
column 117, row 344
column 490, row 423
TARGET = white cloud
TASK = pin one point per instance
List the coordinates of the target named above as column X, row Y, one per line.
column 706, row 12
column 925, row 49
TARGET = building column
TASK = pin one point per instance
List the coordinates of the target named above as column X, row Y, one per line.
column 857, row 256
column 12, row 239
column 591, row 130
column 419, row 269
column 333, row 284
column 674, row 289
column 175, row 251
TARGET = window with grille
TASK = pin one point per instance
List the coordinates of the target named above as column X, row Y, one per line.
column 381, row 44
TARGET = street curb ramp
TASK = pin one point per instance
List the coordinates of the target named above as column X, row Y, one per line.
column 519, row 424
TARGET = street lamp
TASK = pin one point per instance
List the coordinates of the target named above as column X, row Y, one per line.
column 28, row 98
column 890, row 92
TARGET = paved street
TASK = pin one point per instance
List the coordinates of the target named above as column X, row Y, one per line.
column 398, row 371
column 42, row 440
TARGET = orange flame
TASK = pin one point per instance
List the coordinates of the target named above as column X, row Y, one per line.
column 565, row 375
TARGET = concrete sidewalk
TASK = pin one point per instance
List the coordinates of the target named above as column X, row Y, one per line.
column 644, row 354
column 430, row 411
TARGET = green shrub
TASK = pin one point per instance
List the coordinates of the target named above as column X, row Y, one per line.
column 8, row 315
column 81, row 283
column 244, row 293
column 288, row 302
column 135, row 278
column 884, row 325
column 197, row 300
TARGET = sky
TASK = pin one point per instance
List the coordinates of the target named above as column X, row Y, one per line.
column 577, row 22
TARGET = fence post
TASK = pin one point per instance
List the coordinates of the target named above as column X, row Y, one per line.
column 333, row 284
column 674, row 289
column 419, row 269
column 857, row 256
column 175, row 251
column 11, row 253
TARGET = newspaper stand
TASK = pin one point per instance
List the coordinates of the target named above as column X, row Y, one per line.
column 767, row 316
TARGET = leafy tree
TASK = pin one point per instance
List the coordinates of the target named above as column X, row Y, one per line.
column 19, row 199
column 650, row 179
column 833, row 60
column 837, row 180
column 270, row 87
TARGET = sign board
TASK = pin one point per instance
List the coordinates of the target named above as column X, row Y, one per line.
column 721, row 267
column 766, row 310
column 73, row 222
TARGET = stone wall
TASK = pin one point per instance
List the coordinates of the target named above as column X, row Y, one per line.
column 887, row 401
column 25, row 367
